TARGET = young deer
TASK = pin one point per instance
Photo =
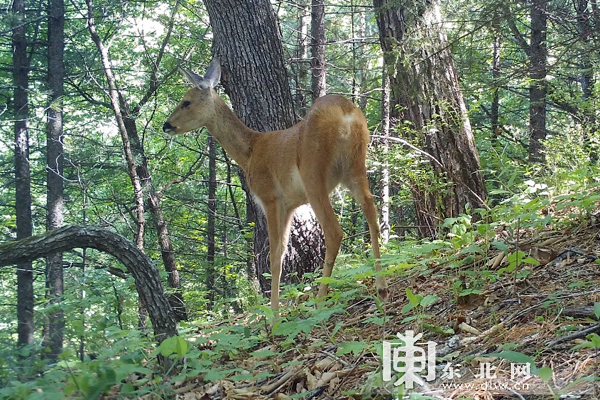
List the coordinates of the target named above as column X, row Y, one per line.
column 288, row 168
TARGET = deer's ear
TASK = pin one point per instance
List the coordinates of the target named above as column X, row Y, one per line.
column 213, row 74
column 194, row 79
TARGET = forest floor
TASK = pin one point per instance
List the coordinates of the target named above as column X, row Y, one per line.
column 486, row 330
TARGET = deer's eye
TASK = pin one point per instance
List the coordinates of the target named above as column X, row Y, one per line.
column 185, row 104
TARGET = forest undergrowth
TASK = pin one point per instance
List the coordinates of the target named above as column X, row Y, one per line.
column 520, row 287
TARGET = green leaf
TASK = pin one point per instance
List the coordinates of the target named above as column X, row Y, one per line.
column 337, row 327
column 214, row 375
column 472, row 249
column 428, row 300
column 501, row 246
column 597, row 310
column 327, row 280
column 595, row 339
column 263, row 353
column 516, row 257
column 266, row 311
column 407, row 308
column 351, row 347
column 182, row 347
column 531, row 260
column 173, row 345
column 516, row 357
column 292, row 328
column 545, row 374
column 413, row 298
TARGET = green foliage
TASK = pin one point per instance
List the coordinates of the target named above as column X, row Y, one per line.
column 592, row 342
column 174, row 346
column 102, row 305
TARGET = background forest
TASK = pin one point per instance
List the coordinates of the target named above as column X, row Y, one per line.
column 484, row 122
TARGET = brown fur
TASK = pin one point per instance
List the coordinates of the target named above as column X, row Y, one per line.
column 291, row 167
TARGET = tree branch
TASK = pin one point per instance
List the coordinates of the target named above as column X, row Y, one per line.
column 145, row 273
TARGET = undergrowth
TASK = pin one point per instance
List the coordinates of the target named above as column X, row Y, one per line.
column 212, row 350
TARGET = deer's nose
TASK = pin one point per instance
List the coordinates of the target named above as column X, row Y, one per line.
column 167, row 127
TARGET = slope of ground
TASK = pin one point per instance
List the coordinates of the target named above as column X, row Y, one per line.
column 507, row 324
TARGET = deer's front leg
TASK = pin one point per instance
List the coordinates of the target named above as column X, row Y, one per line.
column 278, row 226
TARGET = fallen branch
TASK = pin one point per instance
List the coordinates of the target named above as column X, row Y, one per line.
column 575, row 335
column 145, row 273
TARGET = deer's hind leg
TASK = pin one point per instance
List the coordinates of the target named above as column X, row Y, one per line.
column 317, row 194
column 358, row 184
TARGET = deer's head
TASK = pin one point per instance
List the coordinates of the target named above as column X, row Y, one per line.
column 197, row 106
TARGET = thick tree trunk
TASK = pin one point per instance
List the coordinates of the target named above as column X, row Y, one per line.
column 537, row 73
column 145, row 273
column 248, row 43
column 25, row 301
column 317, row 49
column 54, row 157
column 425, row 87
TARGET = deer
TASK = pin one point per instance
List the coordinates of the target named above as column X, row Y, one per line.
column 287, row 168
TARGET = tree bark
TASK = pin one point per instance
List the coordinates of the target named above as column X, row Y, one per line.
column 145, row 273
column 586, row 36
column 425, row 88
column 210, row 228
column 248, row 43
column 495, row 107
column 538, row 58
column 317, row 49
column 300, row 67
column 358, row 32
column 54, row 173
column 385, row 169
column 25, row 300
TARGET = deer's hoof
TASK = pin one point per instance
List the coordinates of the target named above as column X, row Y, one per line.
column 384, row 294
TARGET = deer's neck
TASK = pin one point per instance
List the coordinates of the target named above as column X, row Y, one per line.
column 235, row 137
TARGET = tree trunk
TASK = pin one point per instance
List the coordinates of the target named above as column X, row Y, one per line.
column 317, row 49
column 300, row 66
column 116, row 105
column 385, row 170
column 425, row 88
column 537, row 73
column 495, row 107
column 25, row 301
column 210, row 228
column 160, row 223
column 358, row 32
column 137, row 165
column 54, row 157
column 145, row 273
column 248, row 43
column 588, row 116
